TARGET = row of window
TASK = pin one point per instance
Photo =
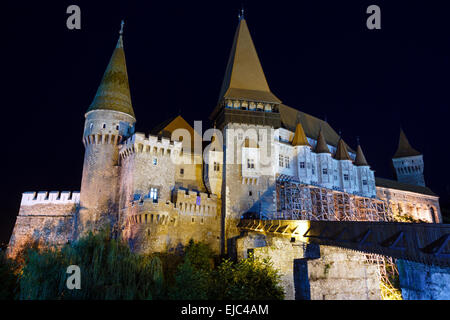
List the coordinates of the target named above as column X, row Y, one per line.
column 91, row 126
column 409, row 169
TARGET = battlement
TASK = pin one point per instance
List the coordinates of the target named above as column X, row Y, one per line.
column 142, row 143
column 197, row 203
column 99, row 138
column 52, row 197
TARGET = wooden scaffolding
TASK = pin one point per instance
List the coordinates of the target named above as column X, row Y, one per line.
column 297, row 201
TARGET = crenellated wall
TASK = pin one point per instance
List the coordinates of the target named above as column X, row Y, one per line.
column 45, row 217
column 167, row 226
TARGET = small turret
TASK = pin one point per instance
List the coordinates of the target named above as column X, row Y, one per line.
column 300, row 137
column 109, row 120
column 341, row 151
column 321, row 145
column 360, row 159
column 408, row 162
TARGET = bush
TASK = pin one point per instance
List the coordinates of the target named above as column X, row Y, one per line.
column 8, row 277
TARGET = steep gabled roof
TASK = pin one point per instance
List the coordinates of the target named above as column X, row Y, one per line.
column 341, row 151
column 290, row 117
column 360, row 159
column 300, row 137
column 167, row 127
column 113, row 92
column 404, row 148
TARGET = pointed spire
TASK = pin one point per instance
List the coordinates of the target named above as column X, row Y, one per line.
column 244, row 76
column 300, row 137
column 321, row 146
column 341, row 151
column 113, row 92
column 360, row 159
column 404, row 148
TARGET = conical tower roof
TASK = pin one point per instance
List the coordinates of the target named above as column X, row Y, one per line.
column 341, row 151
column 404, row 148
column 300, row 137
column 360, row 159
column 113, row 92
column 321, row 146
column 244, row 77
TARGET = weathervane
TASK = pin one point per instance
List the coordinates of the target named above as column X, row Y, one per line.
column 241, row 14
column 121, row 27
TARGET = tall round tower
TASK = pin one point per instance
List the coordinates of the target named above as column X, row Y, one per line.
column 109, row 120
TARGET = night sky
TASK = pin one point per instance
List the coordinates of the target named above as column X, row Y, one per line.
column 318, row 57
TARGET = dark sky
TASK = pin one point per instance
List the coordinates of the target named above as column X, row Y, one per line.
column 318, row 57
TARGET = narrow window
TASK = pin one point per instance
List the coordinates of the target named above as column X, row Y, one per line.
column 250, row 164
column 281, row 160
column 346, row 177
column 302, row 165
column 250, row 193
column 324, row 171
column 181, row 171
column 155, row 161
column 154, row 194
column 364, row 182
column 286, row 161
column 104, row 125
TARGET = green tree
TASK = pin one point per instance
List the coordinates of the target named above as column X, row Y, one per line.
column 109, row 270
column 249, row 279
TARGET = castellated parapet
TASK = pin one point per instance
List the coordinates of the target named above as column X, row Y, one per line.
column 167, row 226
column 47, row 217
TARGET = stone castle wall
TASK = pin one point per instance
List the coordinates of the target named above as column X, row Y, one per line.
column 414, row 205
column 312, row 272
column 45, row 217
column 158, row 227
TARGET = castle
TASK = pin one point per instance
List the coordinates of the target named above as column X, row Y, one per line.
column 160, row 190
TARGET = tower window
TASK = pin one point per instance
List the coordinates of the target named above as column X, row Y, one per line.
column 302, row 165
column 154, row 194
column 324, row 171
column 346, row 177
column 250, row 193
column 117, row 127
column 155, row 161
column 216, row 166
column 181, row 171
column 364, row 182
column 104, row 125
column 250, row 163
column 286, row 161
